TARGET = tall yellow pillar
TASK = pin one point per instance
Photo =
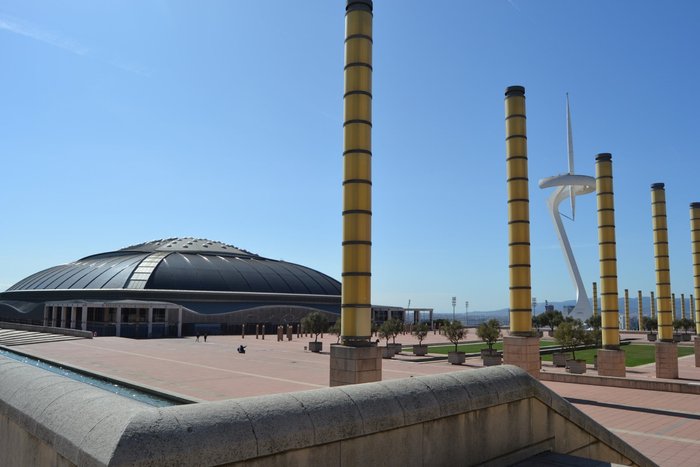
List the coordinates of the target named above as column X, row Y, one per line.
column 693, row 314
column 518, row 212
column 663, row 268
column 357, row 360
column 682, row 306
column 627, row 310
column 666, row 349
column 611, row 360
column 674, row 311
column 695, row 249
column 520, row 347
column 356, row 319
column 640, row 310
column 595, row 299
column 607, row 251
column 652, row 304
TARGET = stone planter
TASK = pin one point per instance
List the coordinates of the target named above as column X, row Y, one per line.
column 550, row 333
column 420, row 350
column 315, row 346
column 560, row 358
column 540, row 333
column 492, row 360
column 676, row 337
column 651, row 336
column 576, row 366
column 456, row 358
column 388, row 352
column 685, row 337
column 395, row 347
column 488, row 353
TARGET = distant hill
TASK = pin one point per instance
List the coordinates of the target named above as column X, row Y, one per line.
column 502, row 314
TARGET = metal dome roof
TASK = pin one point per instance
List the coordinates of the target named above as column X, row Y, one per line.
column 182, row 264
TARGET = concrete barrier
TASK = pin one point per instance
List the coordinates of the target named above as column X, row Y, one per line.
column 47, row 329
column 494, row 416
column 682, row 387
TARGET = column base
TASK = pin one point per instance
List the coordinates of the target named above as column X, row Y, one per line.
column 667, row 360
column 697, row 351
column 611, row 363
column 355, row 365
column 523, row 352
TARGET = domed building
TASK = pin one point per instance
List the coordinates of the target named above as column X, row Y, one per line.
column 171, row 287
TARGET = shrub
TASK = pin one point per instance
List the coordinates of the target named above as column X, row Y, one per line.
column 336, row 330
column 420, row 331
column 649, row 324
column 489, row 332
column 390, row 328
column 455, row 332
column 551, row 318
column 687, row 324
column 315, row 322
column 572, row 334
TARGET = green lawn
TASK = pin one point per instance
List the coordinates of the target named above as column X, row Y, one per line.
column 473, row 348
column 635, row 355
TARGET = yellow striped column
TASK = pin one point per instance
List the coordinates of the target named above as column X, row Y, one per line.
column 652, row 305
column 518, row 212
column 663, row 269
column 611, row 360
column 607, row 251
column 357, row 360
column 520, row 348
column 682, row 306
column 693, row 313
column 595, row 299
column 640, row 310
column 357, row 177
column 666, row 349
column 627, row 309
column 674, row 310
column 695, row 249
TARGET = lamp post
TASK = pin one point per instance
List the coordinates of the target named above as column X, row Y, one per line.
column 454, row 304
column 466, row 313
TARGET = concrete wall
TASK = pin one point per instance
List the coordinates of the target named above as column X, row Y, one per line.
column 616, row 382
column 494, row 416
column 50, row 329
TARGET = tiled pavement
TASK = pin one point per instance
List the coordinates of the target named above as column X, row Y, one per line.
column 664, row 426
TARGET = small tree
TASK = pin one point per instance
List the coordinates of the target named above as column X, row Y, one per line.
column 572, row 334
column 551, row 318
column 594, row 322
column 315, row 322
column 537, row 322
column 687, row 324
column 440, row 322
column 395, row 328
column 386, row 330
column 489, row 332
column 420, row 331
column 454, row 332
column 677, row 325
column 335, row 329
column 650, row 324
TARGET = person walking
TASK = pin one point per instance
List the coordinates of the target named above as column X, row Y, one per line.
column 205, row 336
column 197, row 339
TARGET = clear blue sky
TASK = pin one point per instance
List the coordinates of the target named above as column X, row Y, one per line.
column 122, row 122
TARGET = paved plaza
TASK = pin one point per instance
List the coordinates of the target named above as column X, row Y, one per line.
column 662, row 425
